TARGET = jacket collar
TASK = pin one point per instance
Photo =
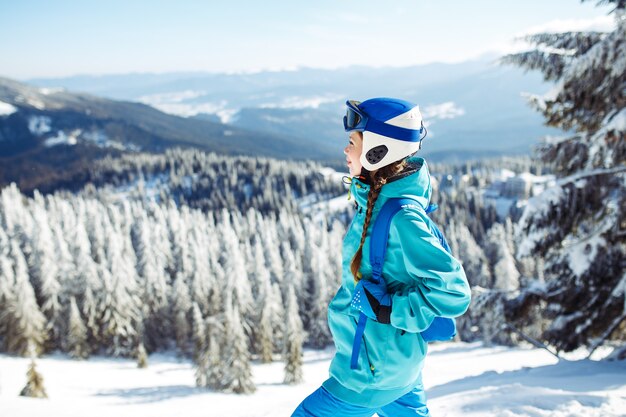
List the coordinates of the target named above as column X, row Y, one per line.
column 413, row 182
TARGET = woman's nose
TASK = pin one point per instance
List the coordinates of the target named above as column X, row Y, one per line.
column 345, row 150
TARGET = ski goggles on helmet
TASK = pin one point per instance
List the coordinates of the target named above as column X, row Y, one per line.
column 354, row 119
column 357, row 119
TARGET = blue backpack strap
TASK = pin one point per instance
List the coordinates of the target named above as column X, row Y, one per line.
column 356, row 345
column 380, row 233
column 378, row 247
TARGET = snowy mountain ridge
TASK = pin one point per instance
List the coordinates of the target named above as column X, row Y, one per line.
column 308, row 103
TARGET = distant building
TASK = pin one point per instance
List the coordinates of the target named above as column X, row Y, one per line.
column 517, row 187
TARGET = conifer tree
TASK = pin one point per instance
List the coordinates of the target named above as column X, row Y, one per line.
column 23, row 323
column 7, row 285
column 217, row 338
column 470, row 253
column 265, row 331
column 315, row 290
column 233, row 262
column 77, row 336
column 91, row 306
column 44, row 272
column 236, row 355
column 34, row 385
column 213, row 357
column 151, row 269
column 202, row 279
column 200, row 346
column 88, row 283
column 505, row 273
column 294, row 338
column 142, row 356
column 181, row 306
column 577, row 226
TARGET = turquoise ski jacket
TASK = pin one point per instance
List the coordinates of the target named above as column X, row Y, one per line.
column 424, row 280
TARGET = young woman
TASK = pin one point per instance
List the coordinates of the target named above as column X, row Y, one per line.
column 421, row 280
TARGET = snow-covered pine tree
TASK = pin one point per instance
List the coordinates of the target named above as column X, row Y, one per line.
column 335, row 240
column 579, row 226
column 279, row 324
column 154, row 291
column 181, row 306
column 237, row 377
column 492, row 287
column 270, row 241
column 264, row 332
column 233, row 261
column 161, row 238
column 486, row 317
column 120, row 303
column 214, row 324
column 475, row 323
column 91, row 306
column 314, row 295
column 87, row 280
column 505, row 273
column 118, row 317
column 200, row 345
column 471, row 254
column 34, row 385
column 67, row 285
column 77, row 333
column 215, row 335
column 294, row 338
column 7, row 284
column 141, row 356
column 179, row 237
column 95, row 229
column 44, row 272
column 22, row 322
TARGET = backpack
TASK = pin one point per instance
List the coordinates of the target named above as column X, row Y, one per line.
column 441, row 328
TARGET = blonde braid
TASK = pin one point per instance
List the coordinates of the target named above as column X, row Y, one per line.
column 378, row 179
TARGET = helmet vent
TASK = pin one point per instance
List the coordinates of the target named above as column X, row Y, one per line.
column 376, row 154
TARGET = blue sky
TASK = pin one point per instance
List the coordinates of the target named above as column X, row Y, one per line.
column 40, row 38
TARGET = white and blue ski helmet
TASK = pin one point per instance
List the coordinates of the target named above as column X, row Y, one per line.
column 392, row 129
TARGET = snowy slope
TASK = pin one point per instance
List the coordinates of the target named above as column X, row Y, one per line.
column 461, row 379
column 6, row 109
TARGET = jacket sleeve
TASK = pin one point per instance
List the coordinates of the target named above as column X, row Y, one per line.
column 436, row 282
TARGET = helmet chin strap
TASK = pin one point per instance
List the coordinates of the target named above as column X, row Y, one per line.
column 366, row 175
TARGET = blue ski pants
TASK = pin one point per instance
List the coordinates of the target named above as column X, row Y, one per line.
column 323, row 404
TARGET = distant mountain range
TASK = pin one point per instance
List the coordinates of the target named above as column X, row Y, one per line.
column 51, row 132
column 472, row 109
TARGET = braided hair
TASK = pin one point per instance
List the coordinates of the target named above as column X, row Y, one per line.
column 377, row 178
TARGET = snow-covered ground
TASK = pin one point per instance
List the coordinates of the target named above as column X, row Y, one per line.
column 6, row 109
column 461, row 379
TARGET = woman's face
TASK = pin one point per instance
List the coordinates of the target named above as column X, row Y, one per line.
column 353, row 153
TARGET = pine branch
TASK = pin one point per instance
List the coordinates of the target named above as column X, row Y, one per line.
column 531, row 340
column 576, row 42
column 554, row 51
column 619, row 4
column 551, row 65
column 587, row 174
column 607, row 334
